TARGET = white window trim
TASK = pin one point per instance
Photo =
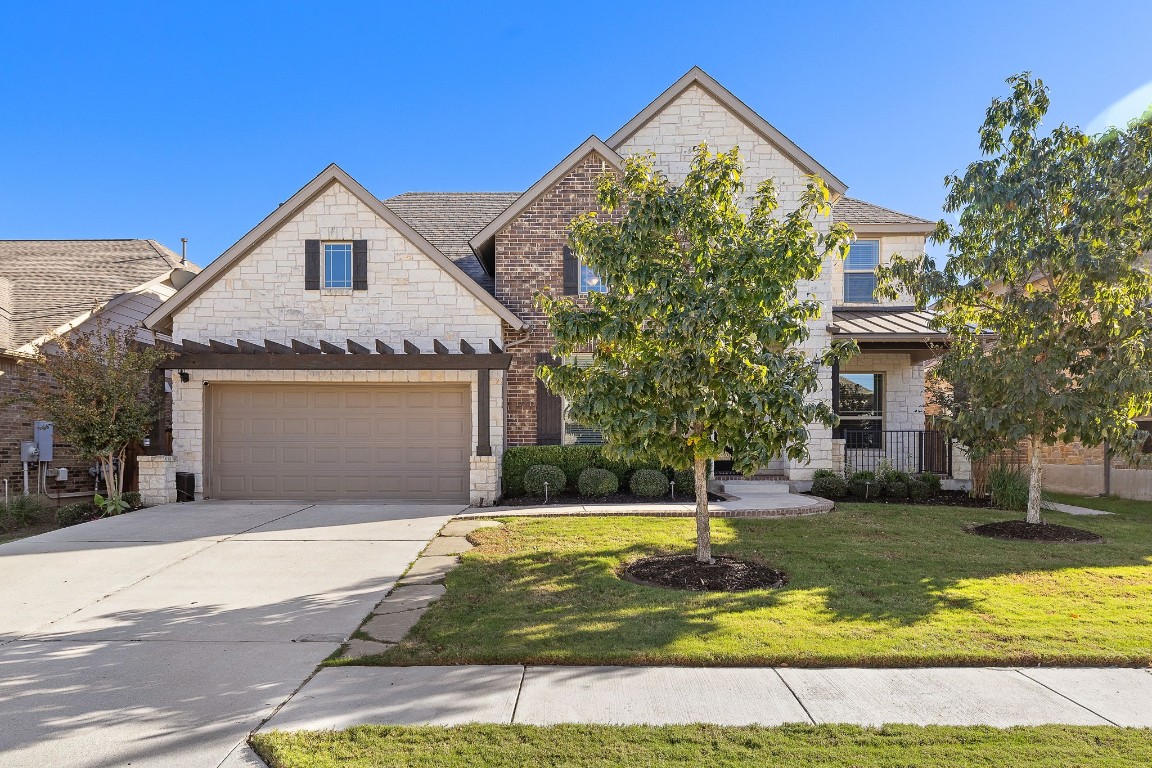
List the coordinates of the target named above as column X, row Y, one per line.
column 324, row 265
column 871, row 271
column 580, row 288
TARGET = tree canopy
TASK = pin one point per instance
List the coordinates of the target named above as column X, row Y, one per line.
column 697, row 343
column 1046, row 291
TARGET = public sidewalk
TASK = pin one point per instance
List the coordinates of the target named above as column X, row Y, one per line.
column 545, row 695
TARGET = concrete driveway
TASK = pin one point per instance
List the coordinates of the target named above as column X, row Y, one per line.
column 162, row 637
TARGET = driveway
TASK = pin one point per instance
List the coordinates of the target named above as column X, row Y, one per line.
column 162, row 637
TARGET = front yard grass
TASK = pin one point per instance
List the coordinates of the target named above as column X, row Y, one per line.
column 1106, row 503
column 512, row 746
column 870, row 585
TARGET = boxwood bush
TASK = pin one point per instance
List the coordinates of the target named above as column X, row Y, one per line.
column 539, row 474
column 597, row 482
column 78, row 512
column 931, row 481
column 685, row 480
column 572, row 459
column 829, row 486
column 863, row 485
column 650, row 483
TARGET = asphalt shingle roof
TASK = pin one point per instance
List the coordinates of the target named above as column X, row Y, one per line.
column 852, row 211
column 448, row 220
column 53, row 281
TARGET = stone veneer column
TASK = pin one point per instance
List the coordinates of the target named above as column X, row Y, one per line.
column 157, row 478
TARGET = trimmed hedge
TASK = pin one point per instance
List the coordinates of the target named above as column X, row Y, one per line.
column 572, row 459
column 651, row 483
column 863, row 485
column 685, row 480
column 829, row 486
column 539, row 474
column 597, row 482
column 78, row 512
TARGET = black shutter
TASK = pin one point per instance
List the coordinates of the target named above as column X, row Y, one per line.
column 311, row 265
column 549, row 409
column 571, row 273
column 359, row 265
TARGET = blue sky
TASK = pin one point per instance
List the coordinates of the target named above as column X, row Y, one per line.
column 169, row 120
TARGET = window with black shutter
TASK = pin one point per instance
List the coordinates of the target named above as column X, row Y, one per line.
column 549, row 409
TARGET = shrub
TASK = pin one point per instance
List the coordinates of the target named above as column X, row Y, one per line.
column 824, row 473
column 893, row 482
column 1009, row 488
column 22, row 510
column 79, row 512
column 685, row 480
column 931, row 480
column 132, row 499
column 918, row 490
column 863, row 485
column 539, row 474
column 572, row 459
column 830, row 486
column 597, row 482
column 649, row 483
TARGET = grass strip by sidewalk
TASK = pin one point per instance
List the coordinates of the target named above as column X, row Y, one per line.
column 576, row 746
column 870, row 585
column 1106, row 503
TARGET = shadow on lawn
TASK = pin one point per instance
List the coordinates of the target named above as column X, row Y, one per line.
column 555, row 599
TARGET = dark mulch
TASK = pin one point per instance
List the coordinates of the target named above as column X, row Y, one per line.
column 1020, row 530
column 941, row 499
column 572, row 497
column 724, row 574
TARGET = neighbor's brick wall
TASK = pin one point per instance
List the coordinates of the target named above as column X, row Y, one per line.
column 409, row 296
column 529, row 260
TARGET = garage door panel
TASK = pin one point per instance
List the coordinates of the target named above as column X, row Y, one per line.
column 339, row 441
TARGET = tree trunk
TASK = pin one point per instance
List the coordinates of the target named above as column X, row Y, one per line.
column 703, row 522
column 1034, row 483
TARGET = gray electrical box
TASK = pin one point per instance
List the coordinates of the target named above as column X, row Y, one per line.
column 28, row 452
column 42, row 434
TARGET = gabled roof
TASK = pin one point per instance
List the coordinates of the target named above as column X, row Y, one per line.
column 333, row 174
column 702, row 79
column 867, row 217
column 449, row 219
column 592, row 144
column 53, row 281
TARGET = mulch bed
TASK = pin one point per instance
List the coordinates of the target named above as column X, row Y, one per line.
column 724, row 574
column 1020, row 530
column 572, row 497
column 941, row 499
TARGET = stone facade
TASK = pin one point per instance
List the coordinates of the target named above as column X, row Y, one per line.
column 157, row 479
column 188, row 414
column 1075, row 468
column 409, row 296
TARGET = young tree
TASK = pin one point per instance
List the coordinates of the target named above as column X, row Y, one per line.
column 696, row 341
column 1046, row 293
column 103, row 397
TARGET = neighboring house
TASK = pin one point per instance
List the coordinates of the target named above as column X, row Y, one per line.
column 355, row 347
column 49, row 288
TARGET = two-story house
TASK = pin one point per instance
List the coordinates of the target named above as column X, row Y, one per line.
column 354, row 347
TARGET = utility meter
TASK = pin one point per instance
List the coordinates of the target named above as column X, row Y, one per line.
column 29, row 453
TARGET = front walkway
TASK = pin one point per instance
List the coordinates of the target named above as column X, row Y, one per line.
column 750, row 498
column 341, row 697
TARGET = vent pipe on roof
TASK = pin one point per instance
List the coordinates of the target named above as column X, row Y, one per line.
column 183, row 251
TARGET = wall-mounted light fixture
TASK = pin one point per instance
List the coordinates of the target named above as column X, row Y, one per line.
column 184, row 376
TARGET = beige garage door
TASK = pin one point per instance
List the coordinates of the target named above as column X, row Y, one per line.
column 317, row 441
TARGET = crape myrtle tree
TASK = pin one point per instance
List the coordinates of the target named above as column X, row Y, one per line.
column 696, row 341
column 104, row 398
column 1046, row 290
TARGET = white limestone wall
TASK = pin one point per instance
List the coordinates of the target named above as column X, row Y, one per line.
column 156, row 477
column 903, row 386
column 890, row 246
column 409, row 296
column 696, row 117
column 188, row 400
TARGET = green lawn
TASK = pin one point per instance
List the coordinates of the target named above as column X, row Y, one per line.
column 870, row 585
column 725, row 747
column 1106, row 503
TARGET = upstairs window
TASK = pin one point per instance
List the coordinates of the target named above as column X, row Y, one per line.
column 860, row 272
column 590, row 282
column 337, row 265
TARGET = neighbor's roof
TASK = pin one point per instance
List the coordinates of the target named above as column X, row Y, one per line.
column 884, row 324
column 448, row 220
column 867, row 217
column 53, row 281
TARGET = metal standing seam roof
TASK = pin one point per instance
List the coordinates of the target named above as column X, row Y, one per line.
column 449, row 220
column 885, row 323
column 54, row 281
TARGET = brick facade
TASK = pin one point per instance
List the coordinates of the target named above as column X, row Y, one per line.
column 529, row 260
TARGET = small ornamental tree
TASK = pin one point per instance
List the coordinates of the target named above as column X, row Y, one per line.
column 696, row 340
column 1046, row 294
column 103, row 397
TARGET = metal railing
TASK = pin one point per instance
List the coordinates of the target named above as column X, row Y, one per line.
column 906, row 450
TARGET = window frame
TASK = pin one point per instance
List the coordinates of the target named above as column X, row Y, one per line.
column 870, row 421
column 581, row 288
column 871, row 271
column 324, row 273
column 572, row 433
